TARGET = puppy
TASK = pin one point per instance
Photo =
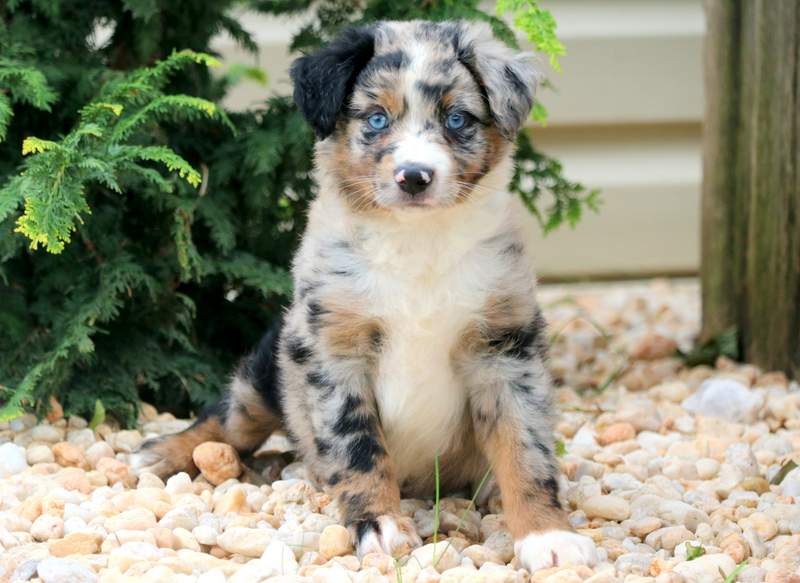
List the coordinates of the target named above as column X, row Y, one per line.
column 413, row 331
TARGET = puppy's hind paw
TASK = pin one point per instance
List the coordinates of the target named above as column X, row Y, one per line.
column 542, row 550
column 163, row 456
column 389, row 534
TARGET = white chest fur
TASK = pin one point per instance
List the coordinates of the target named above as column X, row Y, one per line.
column 427, row 284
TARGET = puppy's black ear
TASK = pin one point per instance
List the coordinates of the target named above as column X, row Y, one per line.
column 324, row 80
column 508, row 78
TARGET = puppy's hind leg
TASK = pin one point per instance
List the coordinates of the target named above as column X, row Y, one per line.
column 244, row 417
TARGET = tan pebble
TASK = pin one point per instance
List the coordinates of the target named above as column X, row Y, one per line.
column 126, row 441
column 147, row 412
column 480, row 555
column 608, row 507
column 75, row 543
column 644, row 526
column 96, row 479
column 218, row 552
column 335, row 541
column 69, row 455
column 39, row 454
column 162, row 537
column 121, row 537
column 233, row 501
column 114, row 470
column 616, row 432
column 652, row 346
column 134, row 519
column 217, row 461
column 74, row 479
column 772, row 378
column 735, row 546
column 764, row 525
column 249, row 542
column 349, row 562
column 184, row 540
column 31, row 508
column 755, row 484
column 55, row 412
column 563, row 576
column 384, row 563
column 97, row 451
column 148, row 480
column 52, row 504
column 782, row 575
column 47, row 527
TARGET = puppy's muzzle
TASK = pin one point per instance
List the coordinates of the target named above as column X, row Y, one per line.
column 413, row 178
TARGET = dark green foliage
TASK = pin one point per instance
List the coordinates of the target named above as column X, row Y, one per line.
column 145, row 234
column 725, row 344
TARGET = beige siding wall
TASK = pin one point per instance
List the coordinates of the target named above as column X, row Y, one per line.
column 625, row 117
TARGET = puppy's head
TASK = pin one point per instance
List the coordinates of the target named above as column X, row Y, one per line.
column 413, row 114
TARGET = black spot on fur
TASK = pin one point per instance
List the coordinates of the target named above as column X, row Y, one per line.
column 392, row 61
column 514, row 249
column 334, row 478
column 304, row 288
column 315, row 312
column 521, row 342
column 323, row 447
column 550, row 485
column 319, row 381
column 376, row 339
column 324, row 80
column 351, row 418
column 433, row 91
column 298, row 351
column 260, row 368
column 361, row 453
column 365, row 526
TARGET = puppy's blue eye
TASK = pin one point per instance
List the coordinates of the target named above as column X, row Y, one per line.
column 378, row 121
column 455, row 121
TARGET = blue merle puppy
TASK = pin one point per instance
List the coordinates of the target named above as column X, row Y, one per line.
column 414, row 330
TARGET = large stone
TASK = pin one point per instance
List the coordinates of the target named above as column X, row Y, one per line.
column 607, row 507
column 217, row 461
column 706, row 569
column 75, row 543
column 12, row 460
column 725, row 398
column 441, row 556
column 335, row 541
column 64, row 571
column 250, row 542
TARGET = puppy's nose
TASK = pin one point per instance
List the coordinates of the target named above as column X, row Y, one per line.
column 413, row 178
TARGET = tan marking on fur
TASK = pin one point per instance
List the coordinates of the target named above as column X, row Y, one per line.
column 391, row 101
column 527, row 508
column 347, row 332
column 378, row 489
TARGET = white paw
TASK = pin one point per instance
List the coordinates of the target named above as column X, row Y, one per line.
column 390, row 535
column 542, row 550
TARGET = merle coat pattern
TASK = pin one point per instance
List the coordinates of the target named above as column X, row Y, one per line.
column 413, row 331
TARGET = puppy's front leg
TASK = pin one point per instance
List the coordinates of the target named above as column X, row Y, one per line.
column 362, row 478
column 329, row 367
column 513, row 415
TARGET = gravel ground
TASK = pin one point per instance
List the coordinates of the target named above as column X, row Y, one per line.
column 661, row 463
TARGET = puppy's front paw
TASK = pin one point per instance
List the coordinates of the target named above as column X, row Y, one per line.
column 541, row 550
column 390, row 534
